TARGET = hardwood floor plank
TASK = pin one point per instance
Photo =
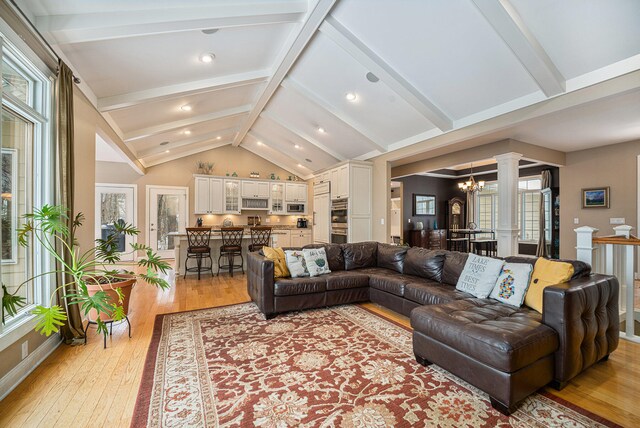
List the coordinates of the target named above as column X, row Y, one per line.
column 91, row 386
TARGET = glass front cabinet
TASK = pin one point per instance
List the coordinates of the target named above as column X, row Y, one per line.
column 276, row 199
column 232, row 196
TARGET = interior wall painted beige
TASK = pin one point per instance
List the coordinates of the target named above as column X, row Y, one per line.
column 180, row 172
column 614, row 166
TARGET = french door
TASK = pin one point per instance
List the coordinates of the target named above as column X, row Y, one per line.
column 167, row 217
column 116, row 203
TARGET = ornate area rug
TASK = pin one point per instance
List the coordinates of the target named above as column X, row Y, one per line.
column 341, row 366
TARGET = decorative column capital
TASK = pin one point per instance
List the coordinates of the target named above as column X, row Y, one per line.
column 506, row 157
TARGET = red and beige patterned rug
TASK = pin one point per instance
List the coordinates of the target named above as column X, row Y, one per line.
column 341, row 366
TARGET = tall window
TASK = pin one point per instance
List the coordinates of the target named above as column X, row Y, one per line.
column 26, row 156
column 529, row 194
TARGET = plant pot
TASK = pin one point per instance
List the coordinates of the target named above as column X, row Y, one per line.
column 125, row 285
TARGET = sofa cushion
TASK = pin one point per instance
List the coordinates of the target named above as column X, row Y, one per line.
column 389, row 281
column 342, row 280
column 296, row 264
column 580, row 269
column 334, row 255
column 360, row 255
column 316, row 261
column 433, row 293
column 479, row 275
column 391, row 257
column 295, row 286
column 454, row 262
column 498, row 335
column 424, row 263
column 546, row 273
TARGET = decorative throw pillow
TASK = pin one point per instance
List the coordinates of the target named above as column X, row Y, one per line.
column 512, row 284
column 279, row 261
column 479, row 275
column 546, row 273
column 296, row 264
column 316, row 260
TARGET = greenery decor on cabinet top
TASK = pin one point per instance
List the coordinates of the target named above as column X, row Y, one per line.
column 47, row 227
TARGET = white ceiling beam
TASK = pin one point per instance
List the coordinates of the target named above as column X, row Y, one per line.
column 370, row 60
column 224, row 134
column 91, row 27
column 301, row 134
column 295, row 155
column 131, row 99
column 506, row 21
column 276, row 162
column 373, row 141
column 287, row 58
column 170, row 126
column 199, row 148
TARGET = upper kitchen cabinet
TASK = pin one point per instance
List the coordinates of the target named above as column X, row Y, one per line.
column 208, row 195
column 255, row 189
column 231, row 196
column 296, row 192
column 276, row 200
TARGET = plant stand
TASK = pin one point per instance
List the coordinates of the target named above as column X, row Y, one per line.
column 110, row 330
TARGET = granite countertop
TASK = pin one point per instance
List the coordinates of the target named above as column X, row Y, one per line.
column 215, row 228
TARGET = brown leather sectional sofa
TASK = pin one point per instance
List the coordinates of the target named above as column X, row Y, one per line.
column 507, row 352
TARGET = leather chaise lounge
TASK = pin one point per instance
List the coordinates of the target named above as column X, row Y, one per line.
column 507, row 352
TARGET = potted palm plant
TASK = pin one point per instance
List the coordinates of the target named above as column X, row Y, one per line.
column 101, row 291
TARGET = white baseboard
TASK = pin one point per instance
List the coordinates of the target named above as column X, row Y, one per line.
column 29, row 364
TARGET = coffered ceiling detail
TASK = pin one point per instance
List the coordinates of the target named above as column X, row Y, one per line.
column 306, row 84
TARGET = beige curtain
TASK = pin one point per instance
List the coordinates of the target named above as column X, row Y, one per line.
column 72, row 331
column 541, row 251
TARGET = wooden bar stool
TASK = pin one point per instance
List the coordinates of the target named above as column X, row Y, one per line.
column 486, row 246
column 199, row 238
column 457, row 244
column 231, row 247
column 260, row 236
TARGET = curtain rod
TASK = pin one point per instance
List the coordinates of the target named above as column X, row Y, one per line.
column 39, row 35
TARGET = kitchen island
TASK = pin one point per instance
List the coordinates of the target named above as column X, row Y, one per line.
column 281, row 236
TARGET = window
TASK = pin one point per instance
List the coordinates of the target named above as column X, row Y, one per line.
column 529, row 194
column 26, row 155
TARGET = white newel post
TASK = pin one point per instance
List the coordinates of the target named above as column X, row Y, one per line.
column 508, row 174
column 584, row 243
column 626, row 279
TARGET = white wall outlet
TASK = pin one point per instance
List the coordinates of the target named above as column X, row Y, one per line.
column 576, row 220
column 616, row 220
column 25, row 349
column 278, row 220
column 267, row 220
column 382, row 221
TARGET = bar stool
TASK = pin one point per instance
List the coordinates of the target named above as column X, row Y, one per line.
column 486, row 246
column 231, row 247
column 198, row 249
column 457, row 244
column 260, row 236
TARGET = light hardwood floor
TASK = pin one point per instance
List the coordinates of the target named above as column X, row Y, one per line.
column 86, row 386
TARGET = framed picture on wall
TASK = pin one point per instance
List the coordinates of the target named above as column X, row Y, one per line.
column 597, row 197
column 424, row 204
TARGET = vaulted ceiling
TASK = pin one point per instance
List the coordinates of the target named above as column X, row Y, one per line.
column 306, row 84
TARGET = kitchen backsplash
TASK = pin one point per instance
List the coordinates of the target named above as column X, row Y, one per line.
column 241, row 219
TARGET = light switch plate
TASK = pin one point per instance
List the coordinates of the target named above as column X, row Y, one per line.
column 382, row 221
column 576, row 220
column 616, row 220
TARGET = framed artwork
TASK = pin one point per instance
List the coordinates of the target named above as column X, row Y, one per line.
column 424, row 204
column 597, row 197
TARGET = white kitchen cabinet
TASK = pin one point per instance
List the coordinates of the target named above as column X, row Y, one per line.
column 296, row 192
column 321, row 218
column 231, row 196
column 255, row 189
column 280, row 238
column 300, row 237
column 276, row 199
column 208, row 195
column 342, row 184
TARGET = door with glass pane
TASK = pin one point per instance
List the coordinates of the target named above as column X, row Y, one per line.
column 116, row 204
column 167, row 217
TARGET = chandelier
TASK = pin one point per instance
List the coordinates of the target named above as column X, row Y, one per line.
column 471, row 185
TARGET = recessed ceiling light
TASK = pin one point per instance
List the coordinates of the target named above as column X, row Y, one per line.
column 187, row 132
column 297, row 146
column 164, row 143
column 259, row 143
column 186, row 107
column 167, row 151
column 218, row 138
column 207, row 57
column 300, row 165
column 351, row 96
column 321, row 130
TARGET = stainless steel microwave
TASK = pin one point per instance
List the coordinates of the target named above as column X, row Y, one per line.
column 295, row 208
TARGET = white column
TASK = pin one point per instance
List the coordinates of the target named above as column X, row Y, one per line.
column 508, row 174
column 584, row 244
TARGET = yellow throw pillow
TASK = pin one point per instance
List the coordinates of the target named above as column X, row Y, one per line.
column 546, row 273
column 279, row 262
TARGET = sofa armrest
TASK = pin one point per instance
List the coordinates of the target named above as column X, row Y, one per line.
column 584, row 312
column 260, row 282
